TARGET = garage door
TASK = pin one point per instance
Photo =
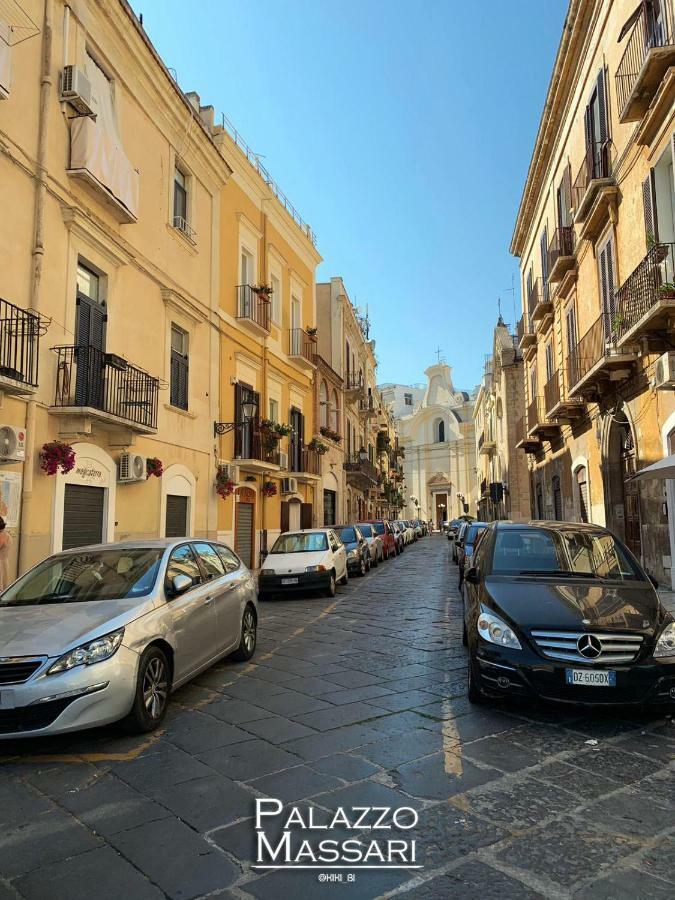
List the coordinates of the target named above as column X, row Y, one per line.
column 243, row 538
column 83, row 508
column 176, row 516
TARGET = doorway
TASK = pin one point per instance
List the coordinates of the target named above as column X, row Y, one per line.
column 622, row 497
column 441, row 507
column 90, row 339
column 244, row 525
column 329, row 507
column 294, row 509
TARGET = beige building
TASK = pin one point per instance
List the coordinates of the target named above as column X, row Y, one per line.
column 595, row 235
column 502, row 473
column 109, row 328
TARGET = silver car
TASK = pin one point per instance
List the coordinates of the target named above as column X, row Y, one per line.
column 107, row 632
column 375, row 543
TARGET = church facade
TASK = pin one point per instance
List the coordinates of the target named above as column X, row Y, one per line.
column 438, row 439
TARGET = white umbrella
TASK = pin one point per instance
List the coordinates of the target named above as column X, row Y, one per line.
column 664, row 468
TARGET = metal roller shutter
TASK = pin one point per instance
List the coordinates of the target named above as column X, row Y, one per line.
column 176, row 516
column 243, row 539
column 82, row 515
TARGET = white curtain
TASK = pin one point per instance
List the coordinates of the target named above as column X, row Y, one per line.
column 5, row 60
column 97, row 147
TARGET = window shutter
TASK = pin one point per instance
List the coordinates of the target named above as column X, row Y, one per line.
column 179, row 380
column 649, row 205
column 237, row 418
column 285, row 516
column 602, row 108
column 306, row 515
column 543, row 245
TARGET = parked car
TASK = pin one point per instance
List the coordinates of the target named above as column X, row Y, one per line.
column 102, row 633
column 461, row 531
column 375, row 544
column 416, row 525
column 386, row 532
column 465, row 551
column 563, row 611
column 408, row 533
column 398, row 535
column 453, row 527
column 309, row 560
column 358, row 551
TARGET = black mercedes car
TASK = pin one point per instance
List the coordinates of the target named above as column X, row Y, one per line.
column 564, row 612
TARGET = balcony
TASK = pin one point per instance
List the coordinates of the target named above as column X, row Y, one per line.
column 561, row 253
column 353, row 385
column 597, row 361
column 645, row 302
column 538, row 424
column 361, row 473
column 19, row 349
column 594, row 190
column 253, row 309
column 256, row 450
column 302, row 347
column 539, row 305
column 557, row 405
column 523, row 439
column 367, row 407
column 525, row 335
column 486, row 444
column 305, row 464
column 649, row 53
column 94, row 385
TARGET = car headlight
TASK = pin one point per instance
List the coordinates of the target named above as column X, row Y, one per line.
column 95, row 651
column 665, row 646
column 315, row 569
column 492, row 629
column 353, row 554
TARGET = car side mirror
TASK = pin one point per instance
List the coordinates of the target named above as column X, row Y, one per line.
column 473, row 575
column 180, row 584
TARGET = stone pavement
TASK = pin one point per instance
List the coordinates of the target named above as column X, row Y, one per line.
column 356, row 701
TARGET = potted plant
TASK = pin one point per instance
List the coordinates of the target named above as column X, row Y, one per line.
column 667, row 291
column 311, row 331
column 282, row 430
column 154, row 466
column 224, row 484
column 269, row 489
column 262, row 290
column 617, row 323
column 56, row 455
column 318, row 445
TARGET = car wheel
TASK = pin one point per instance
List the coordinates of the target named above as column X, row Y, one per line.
column 474, row 690
column 375, row 562
column 331, row 589
column 153, row 686
column 345, row 577
column 362, row 568
column 249, row 636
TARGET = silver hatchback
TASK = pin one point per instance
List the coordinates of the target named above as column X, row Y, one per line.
column 102, row 633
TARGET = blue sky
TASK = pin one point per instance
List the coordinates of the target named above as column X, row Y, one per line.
column 402, row 132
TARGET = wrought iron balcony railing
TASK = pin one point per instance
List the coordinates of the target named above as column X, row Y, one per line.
column 597, row 343
column 650, row 282
column 595, row 165
column 19, row 344
column 364, row 467
column 651, row 37
column 87, row 377
column 552, row 393
column 250, row 442
column 537, row 299
column 254, row 307
column 560, row 246
column 302, row 345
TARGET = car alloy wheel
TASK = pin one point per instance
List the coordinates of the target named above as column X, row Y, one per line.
column 155, row 687
column 330, row 590
column 362, row 568
column 249, row 636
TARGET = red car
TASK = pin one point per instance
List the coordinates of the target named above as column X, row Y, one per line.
column 385, row 531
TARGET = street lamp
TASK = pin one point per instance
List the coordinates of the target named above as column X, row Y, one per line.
column 363, row 456
column 249, row 409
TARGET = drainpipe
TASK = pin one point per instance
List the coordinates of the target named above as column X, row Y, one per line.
column 37, row 263
column 263, row 375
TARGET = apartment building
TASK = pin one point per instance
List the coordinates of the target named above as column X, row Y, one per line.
column 110, row 286
column 502, row 474
column 595, row 235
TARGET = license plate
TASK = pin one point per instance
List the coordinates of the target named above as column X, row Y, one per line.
column 289, row 580
column 591, row 677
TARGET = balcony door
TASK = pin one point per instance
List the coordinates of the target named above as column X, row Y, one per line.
column 244, row 438
column 607, row 269
column 296, row 325
column 90, row 339
column 596, row 130
column 297, row 423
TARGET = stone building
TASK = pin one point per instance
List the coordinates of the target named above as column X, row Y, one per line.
column 438, row 441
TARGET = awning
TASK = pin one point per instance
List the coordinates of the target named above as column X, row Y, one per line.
column 664, row 468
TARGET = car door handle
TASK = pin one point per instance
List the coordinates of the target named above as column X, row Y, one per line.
column 208, row 601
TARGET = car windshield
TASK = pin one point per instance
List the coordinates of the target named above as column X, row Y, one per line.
column 378, row 527
column 473, row 533
column 91, row 575
column 366, row 530
column 313, row 542
column 564, row 552
column 348, row 535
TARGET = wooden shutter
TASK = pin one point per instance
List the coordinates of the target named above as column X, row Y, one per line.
column 543, row 245
column 602, row 108
column 176, row 516
column 179, row 379
column 649, row 206
column 238, row 443
column 565, row 200
column 90, row 323
column 284, row 523
column 606, row 263
column 306, row 515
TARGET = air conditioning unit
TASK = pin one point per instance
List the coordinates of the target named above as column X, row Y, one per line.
column 283, row 460
column 76, row 90
column 12, row 444
column 664, row 371
column 132, row 468
column 289, row 485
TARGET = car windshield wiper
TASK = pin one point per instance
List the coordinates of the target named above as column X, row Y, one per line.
column 562, row 573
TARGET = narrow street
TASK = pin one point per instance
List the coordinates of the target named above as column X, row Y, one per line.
column 356, row 701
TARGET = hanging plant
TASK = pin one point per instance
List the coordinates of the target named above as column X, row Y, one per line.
column 311, row 331
column 269, row 489
column 282, row 430
column 317, row 445
column 330, row 434
column 56, row 455
column 154, row 466
column 224, row 484
column 262, row 289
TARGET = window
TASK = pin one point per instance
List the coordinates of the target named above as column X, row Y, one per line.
column 581, row 478
column 275, row 284
column 274, row 410
column 606, row 269
column 407, row 399
column 230, row 561
column 247, row 268
column 571, row 331
column 180, row 199
column 323, row 405
column 533, row 384
column 557, row 498
column 440, row 432
column 179, row 367
column 334, row 413
column 549, row 361
column 182, row 562
column 543, row 248
column 210, row 561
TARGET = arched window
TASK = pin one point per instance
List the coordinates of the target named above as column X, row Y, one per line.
column 334, row 412
column 581, row 479
column 557, row 498
column 439, row 431
column 323, row 405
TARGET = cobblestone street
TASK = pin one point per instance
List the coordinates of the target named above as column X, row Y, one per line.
column 355, row 701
